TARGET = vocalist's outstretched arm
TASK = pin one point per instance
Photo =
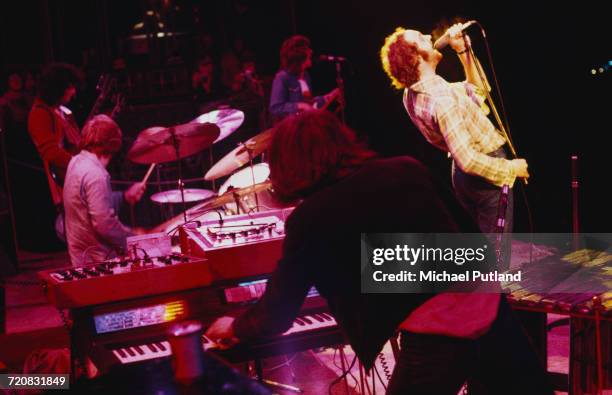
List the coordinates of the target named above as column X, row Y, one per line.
column 461, row 43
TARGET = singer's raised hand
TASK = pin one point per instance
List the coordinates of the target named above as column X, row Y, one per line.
column 456, row 38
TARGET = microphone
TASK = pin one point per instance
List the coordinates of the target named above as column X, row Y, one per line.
column 443, row 40
column 332, row 58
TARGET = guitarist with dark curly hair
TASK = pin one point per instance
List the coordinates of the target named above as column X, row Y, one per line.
column 51, row 125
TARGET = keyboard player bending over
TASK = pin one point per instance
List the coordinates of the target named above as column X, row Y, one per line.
column 315, row 158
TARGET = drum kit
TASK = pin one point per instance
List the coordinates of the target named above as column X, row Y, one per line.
column 247, row 189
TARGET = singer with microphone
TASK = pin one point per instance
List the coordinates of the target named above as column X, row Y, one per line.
column 453, row 118
column 291, row 89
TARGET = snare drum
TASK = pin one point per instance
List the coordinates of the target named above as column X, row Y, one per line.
column 244, row 178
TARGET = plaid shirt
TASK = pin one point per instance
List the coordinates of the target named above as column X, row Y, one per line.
column 453, row 117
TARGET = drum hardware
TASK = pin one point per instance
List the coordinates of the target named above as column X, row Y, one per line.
column 208, row 205
column 154, row 145
column 244, row 153
column 241, row 155
column 190, row 195
column 227, row 119
column 239, row 204
column 160, row 145
column 250, row 153
column 245, row 178
column 231, row 195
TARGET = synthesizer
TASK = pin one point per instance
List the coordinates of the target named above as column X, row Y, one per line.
column 238, row 246
column 123, row 279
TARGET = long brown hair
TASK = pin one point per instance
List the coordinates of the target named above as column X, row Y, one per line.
column 311, row 150
column 294, row 52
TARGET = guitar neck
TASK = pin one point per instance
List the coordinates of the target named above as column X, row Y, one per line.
column 117, row 108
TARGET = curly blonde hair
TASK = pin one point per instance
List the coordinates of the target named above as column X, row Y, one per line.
column 400, row 59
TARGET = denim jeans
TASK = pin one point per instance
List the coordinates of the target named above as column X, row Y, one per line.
column 501, row 362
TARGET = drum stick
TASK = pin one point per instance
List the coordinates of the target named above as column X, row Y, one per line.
column 146, row 177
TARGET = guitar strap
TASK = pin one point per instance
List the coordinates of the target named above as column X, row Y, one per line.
column 54, row 188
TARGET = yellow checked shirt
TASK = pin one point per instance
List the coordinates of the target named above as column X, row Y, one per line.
column 453, row 117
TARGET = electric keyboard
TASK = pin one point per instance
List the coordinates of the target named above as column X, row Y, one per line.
column 124, row 279
column 134, row 331
column 303, row 324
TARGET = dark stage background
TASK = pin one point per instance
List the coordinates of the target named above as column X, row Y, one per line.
column 543, row 55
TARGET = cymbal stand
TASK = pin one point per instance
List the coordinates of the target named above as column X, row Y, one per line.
column 181, row 185
column 250, row 152
column 211, row 162
column 163, row 213
column 239, row 205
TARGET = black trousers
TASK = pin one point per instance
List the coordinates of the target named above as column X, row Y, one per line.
column 498, row 363
column 480, row 199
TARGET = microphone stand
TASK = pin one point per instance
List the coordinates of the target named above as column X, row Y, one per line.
column 503, row 261
column 340, row 84
column 575, row 220
column 481, row 75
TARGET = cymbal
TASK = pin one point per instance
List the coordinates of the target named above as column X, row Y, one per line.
column 199, row 209
column 239, row 156
column 156, row 145
column 174, row 195
column 230, row 195
column 227, row 119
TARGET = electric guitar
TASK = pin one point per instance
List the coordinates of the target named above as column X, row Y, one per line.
column 334, row 101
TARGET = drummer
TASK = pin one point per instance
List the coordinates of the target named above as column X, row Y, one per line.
column 94, row 232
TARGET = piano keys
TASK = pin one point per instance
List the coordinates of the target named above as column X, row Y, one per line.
column 133, row 331
column 303, row 324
